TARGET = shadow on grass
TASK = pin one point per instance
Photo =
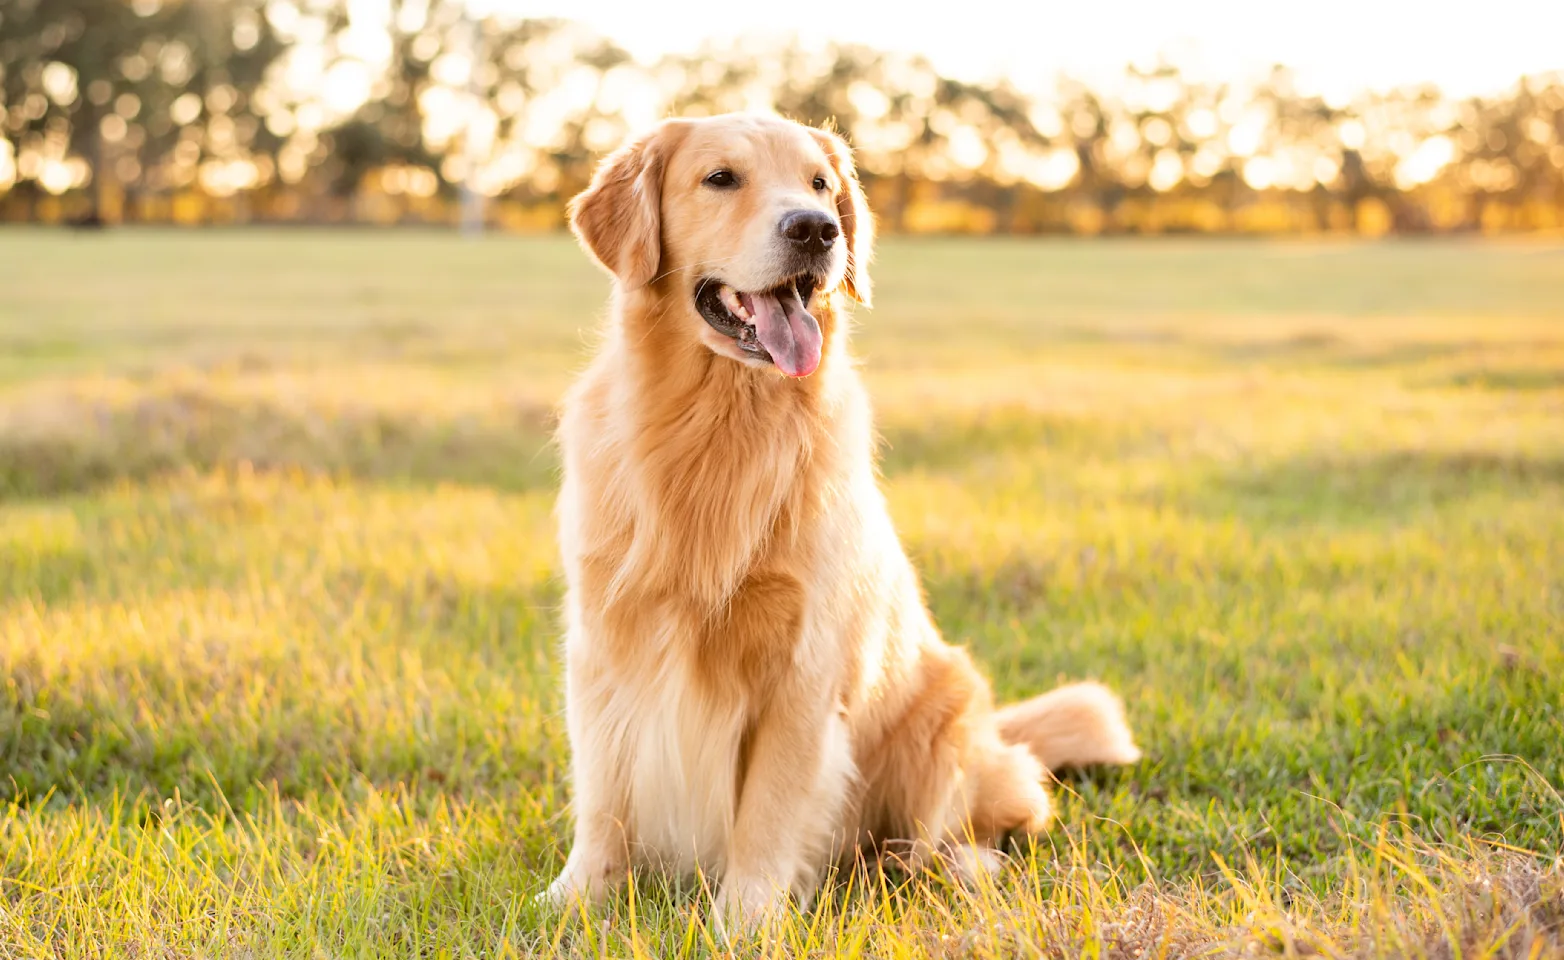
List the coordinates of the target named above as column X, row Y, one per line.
column 1330, row 349
column 72, row 446
column 1325, row 349
column 44, row 572
column 956, row 441
column 450, row 690
column 1499, row 378
column 1372, row 488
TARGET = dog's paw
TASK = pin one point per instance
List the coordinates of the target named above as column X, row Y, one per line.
column 558, row 895
column 745, row 906
column 970, row 864
column 574, row 887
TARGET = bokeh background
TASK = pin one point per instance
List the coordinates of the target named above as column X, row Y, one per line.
column 1395, row 118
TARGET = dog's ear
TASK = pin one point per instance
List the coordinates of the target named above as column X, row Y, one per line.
column 619, row 217
column 853, row 211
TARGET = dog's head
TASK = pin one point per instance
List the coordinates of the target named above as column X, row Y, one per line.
column 747, row 224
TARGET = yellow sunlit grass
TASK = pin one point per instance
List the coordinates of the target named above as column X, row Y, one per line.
column 279, row 594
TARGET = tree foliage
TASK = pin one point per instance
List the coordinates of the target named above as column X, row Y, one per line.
column 286, row 109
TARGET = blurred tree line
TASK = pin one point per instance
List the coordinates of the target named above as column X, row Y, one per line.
column 323, row 111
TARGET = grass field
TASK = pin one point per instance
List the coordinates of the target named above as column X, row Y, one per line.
column 278, row 592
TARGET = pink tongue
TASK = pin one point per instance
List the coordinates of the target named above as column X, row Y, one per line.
column 786, row 330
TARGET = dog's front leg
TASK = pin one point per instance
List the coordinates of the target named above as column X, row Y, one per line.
column 790, row 803
column 599, row 854
column 597, row 861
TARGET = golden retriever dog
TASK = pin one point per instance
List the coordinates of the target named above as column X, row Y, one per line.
column 755, row 689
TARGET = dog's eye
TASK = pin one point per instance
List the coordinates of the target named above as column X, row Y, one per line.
column 723, row 178
column 820, row 183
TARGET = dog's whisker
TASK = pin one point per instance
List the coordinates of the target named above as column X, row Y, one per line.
column 694, row 266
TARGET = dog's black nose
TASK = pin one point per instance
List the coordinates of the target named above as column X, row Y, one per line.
column 809, row 230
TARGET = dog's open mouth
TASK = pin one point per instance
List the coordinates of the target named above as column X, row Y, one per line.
column 772, row 325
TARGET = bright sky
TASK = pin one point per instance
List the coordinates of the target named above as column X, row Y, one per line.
column 1337, row 46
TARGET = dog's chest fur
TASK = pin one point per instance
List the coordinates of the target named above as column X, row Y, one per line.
column 689, row 534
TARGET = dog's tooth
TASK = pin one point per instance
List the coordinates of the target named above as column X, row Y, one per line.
column 730, row 299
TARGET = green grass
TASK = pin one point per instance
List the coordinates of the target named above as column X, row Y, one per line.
column 278, row 592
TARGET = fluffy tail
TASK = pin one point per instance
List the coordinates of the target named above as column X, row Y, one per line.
column 1073, row 726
